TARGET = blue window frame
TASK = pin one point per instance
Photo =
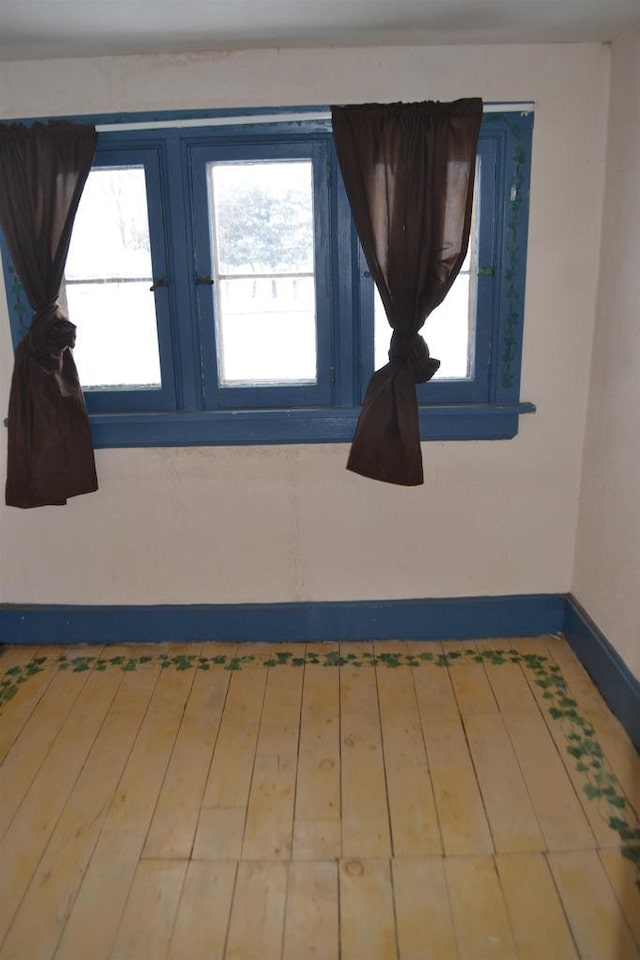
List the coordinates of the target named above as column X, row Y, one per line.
column 194, row 403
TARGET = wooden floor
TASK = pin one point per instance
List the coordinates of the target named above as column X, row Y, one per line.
column 356, row 801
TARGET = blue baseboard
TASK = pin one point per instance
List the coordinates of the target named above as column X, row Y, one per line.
column 454, row 618
column 428, row 619
column 608, row 671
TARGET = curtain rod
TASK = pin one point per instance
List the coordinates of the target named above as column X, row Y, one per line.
column 240, row 119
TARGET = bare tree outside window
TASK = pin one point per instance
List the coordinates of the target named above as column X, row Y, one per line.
column 263, row 264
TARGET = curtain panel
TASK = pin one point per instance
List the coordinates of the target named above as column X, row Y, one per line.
column 43, row 169
column 409, row 172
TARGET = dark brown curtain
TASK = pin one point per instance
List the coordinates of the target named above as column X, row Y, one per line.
column 43, row 169
column 409, row 171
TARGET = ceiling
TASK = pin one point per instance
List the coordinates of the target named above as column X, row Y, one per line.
column 47, row 29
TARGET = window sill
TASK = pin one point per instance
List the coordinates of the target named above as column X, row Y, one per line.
column 475, row 421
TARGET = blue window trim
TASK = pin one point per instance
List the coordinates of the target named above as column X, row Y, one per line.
column 475, row 421
column 188, row 410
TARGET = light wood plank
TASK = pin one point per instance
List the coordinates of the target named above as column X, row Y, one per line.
column 367, row 923
column 479, row 913
column 148, row 918
column 16, row 712
column 52, row 891
column 365, row 816
column 138, row 790
column 219, row 833
column 596, row 813
column 469, row 681
column 538, row 921
column 623, row 878
column 554, row 799
column 175, row 819
column 232, row 765
column 618, row 749
column 511, row 816
column 23, row 845
column 414, row 822
column 268, row 832
column 280, row 719
column 510, row 688
column 35, row 740
column 96, row 914
column 269, row 825
column 432, row 683
column 17, row 655
column 202, row 919
column 317, row 838
column 221, row 823
column 318, row 777
column 598, row 924
column 311, row 923
column 461, row 814
column 423, row 914
column 508, row 680
column 257, row 913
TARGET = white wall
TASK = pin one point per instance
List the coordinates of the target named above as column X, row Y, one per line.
column 607, row 563
column 289, row 523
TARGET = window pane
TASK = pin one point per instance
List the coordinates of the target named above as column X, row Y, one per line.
column 107, row 280
column 269, row 331
column 263, row 215
column 117, row 341
column 263, row 255
column 446, row 330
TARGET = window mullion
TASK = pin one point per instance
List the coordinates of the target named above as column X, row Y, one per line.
column 347, row 361
column 182, row 289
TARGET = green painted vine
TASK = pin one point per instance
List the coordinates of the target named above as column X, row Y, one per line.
column 600, row 783
column 513, row 318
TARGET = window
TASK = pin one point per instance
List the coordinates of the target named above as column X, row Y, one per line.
column 113, row 285
column 261, row 226
column 262, row 252
column 221, row 295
